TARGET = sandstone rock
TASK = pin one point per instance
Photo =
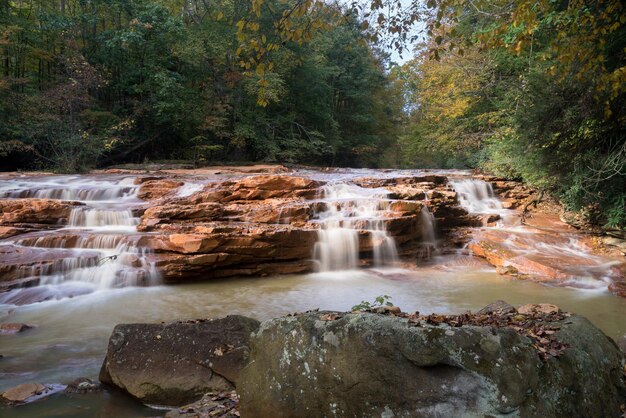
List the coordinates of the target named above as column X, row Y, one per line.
column 28, row 392
column 406, row 207
column 19, row 262
column 157, row 188
column 544, row 308
column 35, row 211
column 177, row 363
column 490, row 219
column 619, row 288
column 272, row 186
column 507, row 270
column 434, row 179
column 406, row 193
column 370, row 365
column 13, row 328
column 498, row 306
column 510, row 204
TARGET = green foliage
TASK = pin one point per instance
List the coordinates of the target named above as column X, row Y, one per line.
column 379, row 302
column 522, row 107
column 165, row 84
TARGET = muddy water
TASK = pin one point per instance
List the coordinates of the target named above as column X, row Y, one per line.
column 71, row 335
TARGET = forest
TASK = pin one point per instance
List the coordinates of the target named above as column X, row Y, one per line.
column 529, row 90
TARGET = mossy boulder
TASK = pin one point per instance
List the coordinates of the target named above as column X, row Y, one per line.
column 375, row 365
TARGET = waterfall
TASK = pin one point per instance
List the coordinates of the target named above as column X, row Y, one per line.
column 71, row 188
column 348, row 211
column 428, row 230
column 188, row 189
column 96, row 250
column 477, row 196
column 93, row 218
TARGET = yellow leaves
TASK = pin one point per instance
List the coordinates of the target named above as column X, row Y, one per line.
column 260, row 69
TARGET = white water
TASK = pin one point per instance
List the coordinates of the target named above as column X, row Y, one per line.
column 350, row 210
column 96, row 250
column 477, row 196
column 577, row 266
column 74, row 188
column 188, row 189
column 429, row 234
column 71, row 334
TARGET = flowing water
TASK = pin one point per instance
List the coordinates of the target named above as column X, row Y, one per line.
column 101, row 267
column 477, row 196
column 349, row 208
column 96, row 250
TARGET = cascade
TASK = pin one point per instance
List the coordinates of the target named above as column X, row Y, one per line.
column 188, row 189
column 428, row 230
column 348, row 209
column 71, row 188
column 477, row 196
column 93, row 218
column 98, row 247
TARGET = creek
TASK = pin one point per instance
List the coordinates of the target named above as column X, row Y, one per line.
column 103, row 277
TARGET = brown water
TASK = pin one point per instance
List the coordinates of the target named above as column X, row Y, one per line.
column 71, row 335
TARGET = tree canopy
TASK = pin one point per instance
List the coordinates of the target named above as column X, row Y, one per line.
column 531, row 89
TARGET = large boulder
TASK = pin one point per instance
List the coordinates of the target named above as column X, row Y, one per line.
column 177, row 363
column 373, row 365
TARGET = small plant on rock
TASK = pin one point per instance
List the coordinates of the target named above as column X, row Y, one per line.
column 379, row 302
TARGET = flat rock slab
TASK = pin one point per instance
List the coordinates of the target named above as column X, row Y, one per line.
column 28, row 392
column 13, row 328
column 177, row 363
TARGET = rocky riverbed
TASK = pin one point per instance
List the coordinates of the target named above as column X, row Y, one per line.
column 80, row 254
column 201, row 225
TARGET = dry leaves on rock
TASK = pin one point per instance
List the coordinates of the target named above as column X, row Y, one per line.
column 539, row 327
column 212, row 405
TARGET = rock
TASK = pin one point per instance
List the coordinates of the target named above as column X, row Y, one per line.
column 406, row 193
column 177, row 363
column 13, row 328
column 490, row 219
column 498, row 307
column 618, row 288
column 82, row 385
column 406, row 207
column 223, row 405
column 272, row 186
column 507, row 270
column 157, row 187
column 371, row 365
column 35, row 211
column 621, row 343
column 20, row 262
column 544, row 308
column 20, row 393
column 511, row 249
column 28, row 392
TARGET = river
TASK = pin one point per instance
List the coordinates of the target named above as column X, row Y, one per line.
column 71, row 333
